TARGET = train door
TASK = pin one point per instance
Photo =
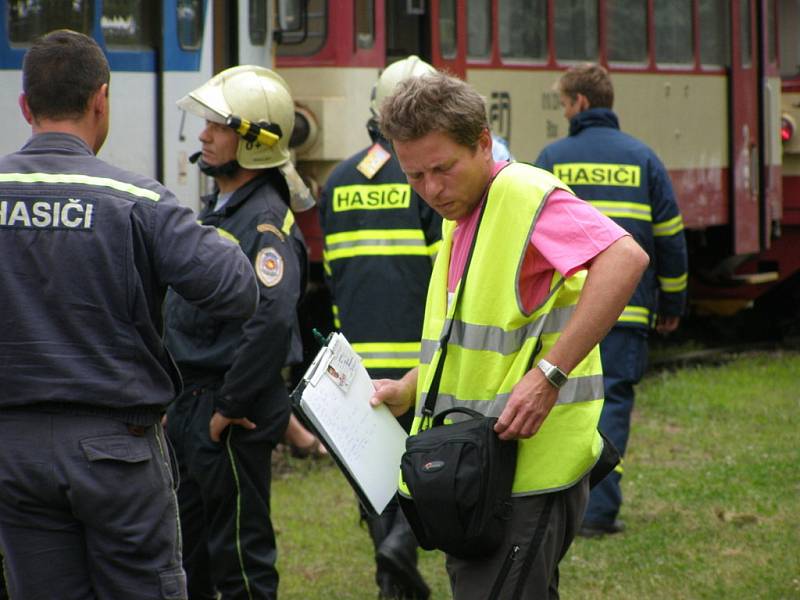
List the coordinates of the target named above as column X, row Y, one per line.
column 407, row 30
column 449, row 36
column 745, row 128
column 183, row 64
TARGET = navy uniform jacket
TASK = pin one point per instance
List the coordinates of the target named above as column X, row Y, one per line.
column 88, row 252
column 626, row 181
column 248, row 355
column 380, row 241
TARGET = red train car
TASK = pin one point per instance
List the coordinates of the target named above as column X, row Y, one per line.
column 712, row 85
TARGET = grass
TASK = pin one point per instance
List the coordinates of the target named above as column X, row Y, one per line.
column 712, row 497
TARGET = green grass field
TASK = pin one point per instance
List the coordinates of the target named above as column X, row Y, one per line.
column 712, row 500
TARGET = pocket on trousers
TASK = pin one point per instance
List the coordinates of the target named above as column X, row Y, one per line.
column 118, row 447
column 173, row 584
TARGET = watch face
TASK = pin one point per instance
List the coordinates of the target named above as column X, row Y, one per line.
column 557, row 376
column 553, row 374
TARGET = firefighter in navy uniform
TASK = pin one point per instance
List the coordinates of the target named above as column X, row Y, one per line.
column 235, row 407
column 87, row 503
column 625, row 180
column 380, row 241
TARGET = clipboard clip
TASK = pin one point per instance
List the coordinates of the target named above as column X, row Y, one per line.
column 321, row 339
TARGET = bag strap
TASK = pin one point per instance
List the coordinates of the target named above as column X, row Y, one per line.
column 439, row 419
column 433, row 391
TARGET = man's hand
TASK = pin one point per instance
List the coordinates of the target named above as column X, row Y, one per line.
column 397, row 394
column 667, row 324
column 219, row 423
column 527, row 407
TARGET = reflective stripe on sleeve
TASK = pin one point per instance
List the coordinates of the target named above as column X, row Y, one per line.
column 673, row 284
column 669, row 227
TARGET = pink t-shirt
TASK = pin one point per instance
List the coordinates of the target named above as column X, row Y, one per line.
column 568, row 235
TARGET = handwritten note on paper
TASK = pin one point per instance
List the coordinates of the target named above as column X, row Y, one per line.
column 368, row 441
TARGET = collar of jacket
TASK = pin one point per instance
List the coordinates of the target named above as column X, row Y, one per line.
column 270, row 176
column 374, row 132
column 58, row 142
column 593, row 117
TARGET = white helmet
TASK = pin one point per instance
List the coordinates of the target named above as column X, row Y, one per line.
column 256, row 103
column 413, row 66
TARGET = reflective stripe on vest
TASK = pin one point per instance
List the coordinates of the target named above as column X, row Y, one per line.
column 493, row 339
column 614, row 209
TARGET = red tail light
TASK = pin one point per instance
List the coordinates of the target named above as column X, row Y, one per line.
column 787, row 129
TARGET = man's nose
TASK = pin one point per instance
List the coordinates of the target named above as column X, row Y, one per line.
column 433, row 185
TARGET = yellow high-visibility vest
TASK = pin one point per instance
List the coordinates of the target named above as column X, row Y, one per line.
column 494, row 341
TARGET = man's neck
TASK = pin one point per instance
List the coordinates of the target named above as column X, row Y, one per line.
column 78, row 128
column 234, row 182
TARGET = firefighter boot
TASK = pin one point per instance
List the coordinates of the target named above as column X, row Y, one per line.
column 397, row 554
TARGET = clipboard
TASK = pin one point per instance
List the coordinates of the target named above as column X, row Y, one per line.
column 366, row 442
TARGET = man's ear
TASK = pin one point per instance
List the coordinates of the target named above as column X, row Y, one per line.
column 582, row 102
column 485, row 141
column 100, row 100
column 26, row 110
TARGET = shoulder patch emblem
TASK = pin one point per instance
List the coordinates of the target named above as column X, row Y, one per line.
column 264, row 227
column 269, row 266
column 373, row 161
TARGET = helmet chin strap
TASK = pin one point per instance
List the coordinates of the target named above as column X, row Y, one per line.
column 374, row 129
column 227, row 169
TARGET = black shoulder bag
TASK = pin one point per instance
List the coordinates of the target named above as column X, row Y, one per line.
column 459, row 475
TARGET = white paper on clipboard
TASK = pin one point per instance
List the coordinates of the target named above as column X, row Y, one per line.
column 367, row 441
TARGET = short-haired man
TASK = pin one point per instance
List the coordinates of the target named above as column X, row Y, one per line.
column 378, row 260
column 87, row 500
column 630, row 185
column 548, row 276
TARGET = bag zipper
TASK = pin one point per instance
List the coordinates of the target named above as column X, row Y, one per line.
column 436, row 443
column 504, row 569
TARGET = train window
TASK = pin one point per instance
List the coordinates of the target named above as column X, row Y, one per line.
column 447, row 28
column 714, row 20
column 523, row 28
column 365, row 23
column 626, row 30
column 789, row 38
column 744, row 33
column 673, row 31
column 257, row 23
column 28, row 20
column 190, row 23
column 479, row 26
column 128, row 24
column 310, row 39
column 576, row 29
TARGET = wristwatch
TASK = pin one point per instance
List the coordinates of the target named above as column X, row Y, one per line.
column 554, row 375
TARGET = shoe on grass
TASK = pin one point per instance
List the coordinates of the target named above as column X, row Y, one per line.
column 593, row 530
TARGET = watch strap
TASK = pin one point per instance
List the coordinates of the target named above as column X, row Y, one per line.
column 552, row 373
